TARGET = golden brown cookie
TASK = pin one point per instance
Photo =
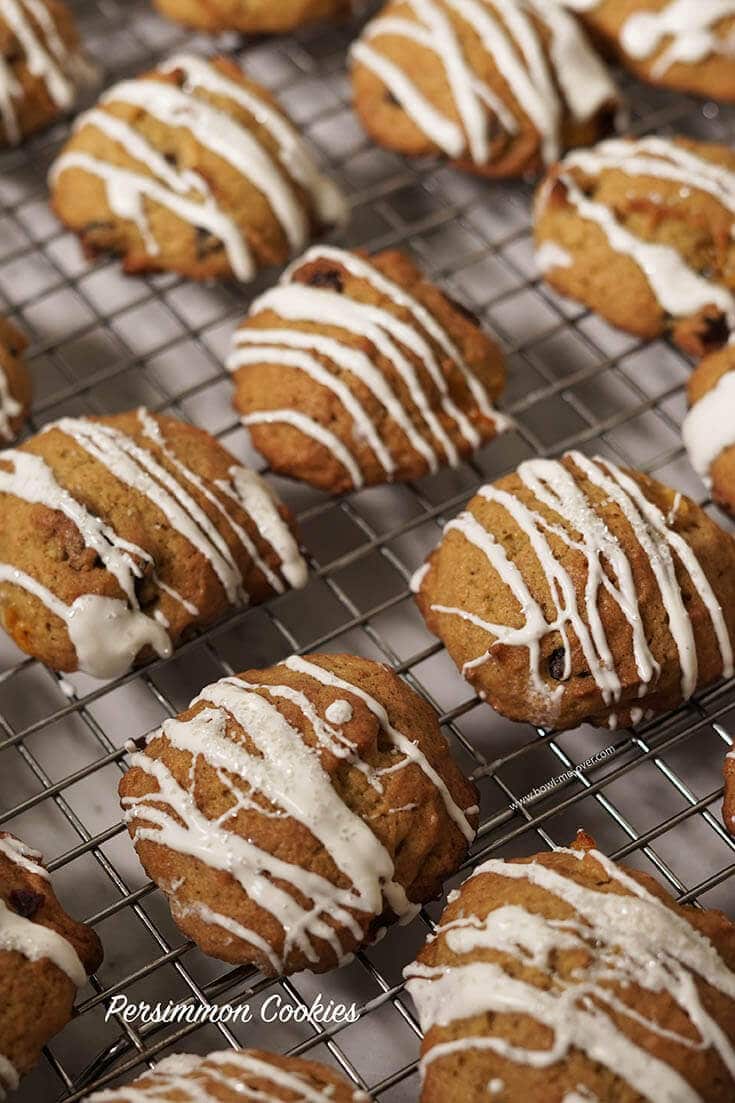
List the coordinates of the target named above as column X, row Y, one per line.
column 500, row 88
column 45, row 956
column 15, row 382
column 129, row 533
column 252, row 16
column 728, row 808
column 681, row 44
column 709, row 427
column 191, row 168
column 577, row 591
column 565, row 978
column 641, row 231
column 229, row 1076
column 41, row 66
column 292, row 813
column 354, row 371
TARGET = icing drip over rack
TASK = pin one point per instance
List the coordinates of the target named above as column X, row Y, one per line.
column 103, row 343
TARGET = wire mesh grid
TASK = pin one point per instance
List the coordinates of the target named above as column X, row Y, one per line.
column 103, row 343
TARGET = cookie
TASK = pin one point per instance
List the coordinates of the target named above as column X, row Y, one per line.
column 45, row 956
column 709, row 427
column 290, row 814
column 252, row 16
column 15, row 382
column 728, row 808
column 191, row 168
column 42, row 66
column 566, row 977
column 229, row 1076
column 575, row 591
column 641, row 231
column 681, row 44
column 500, row 87
column 355, row 371
column 129, row 533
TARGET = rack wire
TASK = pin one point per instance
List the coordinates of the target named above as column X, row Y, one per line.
column 103, row 343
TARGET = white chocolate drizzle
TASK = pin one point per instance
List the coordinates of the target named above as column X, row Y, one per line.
column 608, row 570
column 232, row 1070
column 709, row 427
column 22, row 855
column 627, row 936
column 108, row 633
column 186, row 192
column 528, row 70
column 9, row 1078
column 10, row 408
column 299, row 349
column 687, row 28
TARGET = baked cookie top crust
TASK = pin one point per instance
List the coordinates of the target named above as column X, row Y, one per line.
column 252, row 16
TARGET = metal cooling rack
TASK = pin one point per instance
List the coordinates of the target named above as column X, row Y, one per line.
column 102, row 343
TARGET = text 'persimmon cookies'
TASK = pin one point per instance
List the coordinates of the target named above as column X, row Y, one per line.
column 45, row 956
column 500, row 87
column 565, row 978
column 42, row 66
column 128, row 533
column 233, row 1076
column 252, row 16
column 15, row 382
column 577, row 591
column 291, row 813
column 641, row 231
column 191, row 168
column 354, row 371
column 682, row 44
column 709, row 427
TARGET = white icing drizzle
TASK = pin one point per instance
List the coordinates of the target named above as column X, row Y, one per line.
column 10, row 408
column 108, row 632
column 509, row 34
column 339, row 712
column 555, row 487
column 550, row 255
column 291, row 348
column 9, row 1078
column 403, row 744
column 677, row 287
column 629, row 936
column 34, row 942
column 22, row 855
column 288, row 773
column 60, row 69
column 689, row 28
column 185, row 192
column 709, row 427
column 184, row 1074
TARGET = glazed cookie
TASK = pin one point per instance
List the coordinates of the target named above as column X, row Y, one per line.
column 682, row 44
column 500, row 87
column 15, row 382
column 642, row 232
column 728, row 809
column 128, row 534
column 232, row 1075
column 191, row 168
column 575, row 591
column 356, row 371
column 252, row 16
column 41, row 66
column 291, row 813
column 709, row 427
column 565, row 978
column 45, row 956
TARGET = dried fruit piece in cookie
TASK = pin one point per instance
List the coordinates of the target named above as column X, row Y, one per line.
column 191, row 168
column 252, row 16
column 291, row 813
column 354, row 371
column 41, row 66
column 683, row 44
column 15, row 382
column 45, row 956
column 127, row 534
column 709, row 427
column 234, row 1074
column 567, row 977
column 500, row 88
column 641, row 231
column 577, row 591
